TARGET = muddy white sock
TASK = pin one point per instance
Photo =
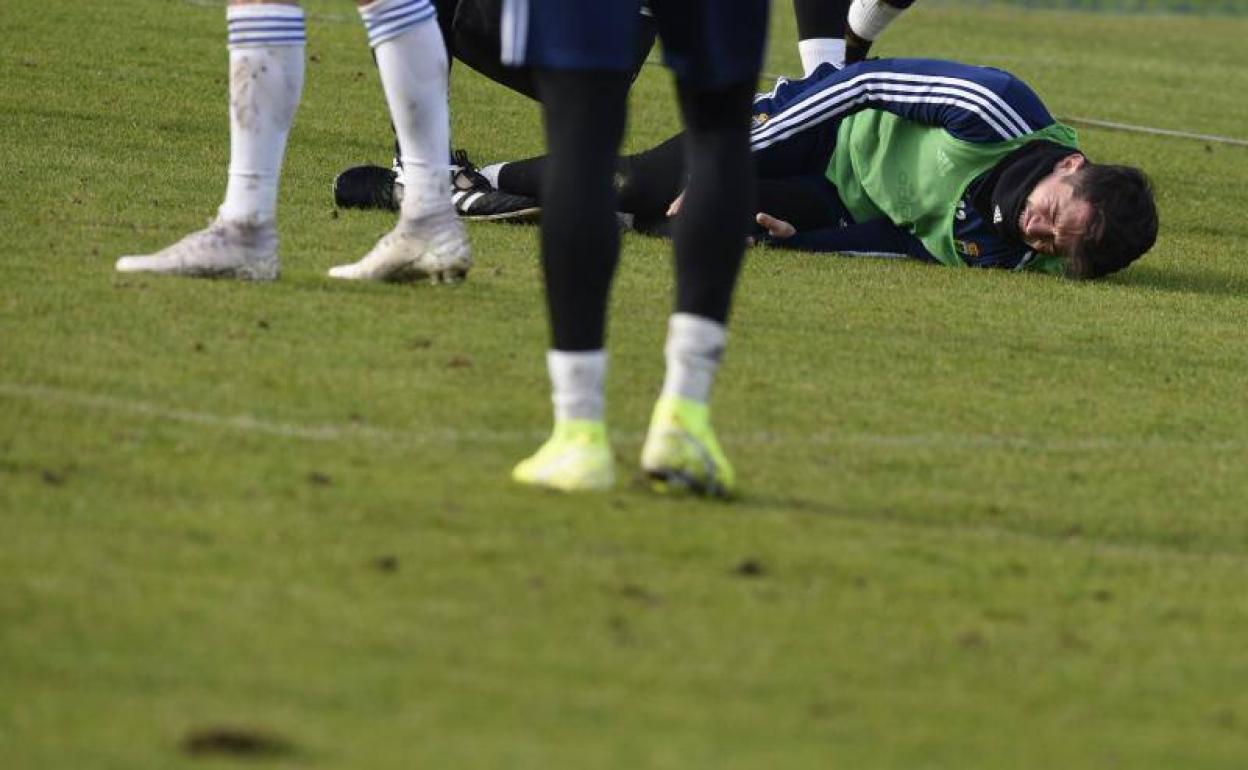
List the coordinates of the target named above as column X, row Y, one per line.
column 411, row 58
column 266, row 45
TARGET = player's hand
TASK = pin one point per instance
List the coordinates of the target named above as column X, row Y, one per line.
column 673, row 208
column 776, row 228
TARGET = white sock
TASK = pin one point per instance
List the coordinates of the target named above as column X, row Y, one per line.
column 577, row 383
column 818, row 50
column 412, row 60
column 694, row 348
column 491, row 173
column 266, row 80
column 868, row 18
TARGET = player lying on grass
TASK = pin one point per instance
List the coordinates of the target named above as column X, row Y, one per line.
column 472, row 30
column 940, row 161
column 829, row 31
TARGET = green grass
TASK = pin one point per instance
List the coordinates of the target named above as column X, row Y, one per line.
column 989, row 520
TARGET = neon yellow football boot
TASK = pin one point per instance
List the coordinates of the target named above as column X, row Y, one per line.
column 576, row 458
column 681, row 453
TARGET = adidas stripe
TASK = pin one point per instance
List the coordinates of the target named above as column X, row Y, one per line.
column 265, row 25
column 386, row 19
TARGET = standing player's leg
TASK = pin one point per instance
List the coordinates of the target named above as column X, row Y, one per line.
column 429, row 240
column 867, row 20
column 820, row 32
column 584, row 116
column 681, row 450
column 266, row 44
column 581, row 54
column 375, row 187
column 471, row 30
column 716, row 55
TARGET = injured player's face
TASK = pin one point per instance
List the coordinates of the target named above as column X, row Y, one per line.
column 1053, row 220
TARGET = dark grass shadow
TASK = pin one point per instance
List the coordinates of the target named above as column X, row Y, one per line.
column 991, row 520
column 238, row 743
column 1188, row 281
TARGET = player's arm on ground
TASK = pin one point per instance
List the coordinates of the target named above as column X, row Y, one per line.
column 877, row 237
column 976, row 104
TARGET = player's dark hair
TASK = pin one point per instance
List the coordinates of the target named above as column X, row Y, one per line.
column 1124, row 219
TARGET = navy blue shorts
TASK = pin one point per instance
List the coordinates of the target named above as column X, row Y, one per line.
column 708, row 44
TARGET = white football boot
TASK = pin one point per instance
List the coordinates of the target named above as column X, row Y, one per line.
column 222, row 250
column 429, row 242
column 433, row 247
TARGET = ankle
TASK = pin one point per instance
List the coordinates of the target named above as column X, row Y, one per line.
column 577, row 381
column 246, row 223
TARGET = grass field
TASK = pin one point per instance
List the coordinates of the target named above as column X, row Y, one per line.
column 989, row 520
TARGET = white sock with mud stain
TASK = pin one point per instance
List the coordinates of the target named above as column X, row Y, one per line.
column 266, row 45
column 411, row 59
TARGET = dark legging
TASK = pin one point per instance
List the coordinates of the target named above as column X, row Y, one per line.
column 649, row 181
column 719, row 199
column 583, row 117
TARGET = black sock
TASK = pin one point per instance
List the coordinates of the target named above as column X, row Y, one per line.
column 523, row 177
column 583, row 114
column 646, row 182
column 856, row 48
column 820, row 18
column 649, row 181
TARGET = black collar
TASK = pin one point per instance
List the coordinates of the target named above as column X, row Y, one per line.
column 1001, row 192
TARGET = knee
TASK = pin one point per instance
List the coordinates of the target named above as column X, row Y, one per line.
column 719, row 110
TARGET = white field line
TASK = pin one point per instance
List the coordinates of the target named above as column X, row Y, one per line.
column 1152, row 131
column 246, row 423
column 350, row 432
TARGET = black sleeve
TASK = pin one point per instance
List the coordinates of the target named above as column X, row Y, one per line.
column 876, row 237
